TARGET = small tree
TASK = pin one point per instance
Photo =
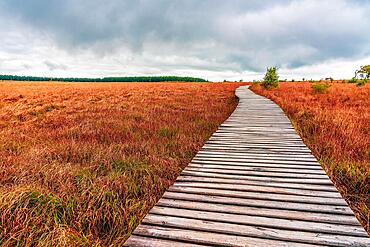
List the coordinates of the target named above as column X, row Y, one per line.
column 364, row 70
column 271, row 79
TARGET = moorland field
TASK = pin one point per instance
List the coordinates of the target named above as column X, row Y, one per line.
column 335, row 125
column 82, row 163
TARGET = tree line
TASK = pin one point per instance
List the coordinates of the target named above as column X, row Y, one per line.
column 105, row 79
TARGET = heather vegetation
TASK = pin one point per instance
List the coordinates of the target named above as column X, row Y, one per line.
column 82, row 163
column 334, row 121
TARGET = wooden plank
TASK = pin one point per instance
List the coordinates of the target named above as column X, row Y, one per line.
column 249, row 155
column 258, row 128
column 266, row 168
column 256, row 124
column 303, row 207
column 263, row 153
column 254, row 231
column 209, row 238
column 256, row 136
column 182, row 178
column 255, row 160
column 274, row 223
column 258, row 173
column 255, row 141
column 263, row 147
column 255, row 195
column 266, row 150
column 257, row 163
column 254, row 120
column 260, row 124
column 261, row 189
column 259, row 211
column 258, row 178
column 256, row 133
column 142, row 241
column 244, row 155
column 257, row 144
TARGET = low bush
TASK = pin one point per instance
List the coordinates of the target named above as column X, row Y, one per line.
column 320, row 87
column 353, row 80
column 361, row 83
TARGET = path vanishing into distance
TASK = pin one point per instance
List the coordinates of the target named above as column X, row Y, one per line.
column 254, row 183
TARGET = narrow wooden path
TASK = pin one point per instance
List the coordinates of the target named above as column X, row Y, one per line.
column 254, row 183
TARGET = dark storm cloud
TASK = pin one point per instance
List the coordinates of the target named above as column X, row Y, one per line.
column 246, row 35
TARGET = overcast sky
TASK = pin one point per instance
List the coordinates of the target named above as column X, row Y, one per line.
column 213, row 39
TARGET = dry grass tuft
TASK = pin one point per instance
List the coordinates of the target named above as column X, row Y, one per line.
column 336, row 127
column 82, row 163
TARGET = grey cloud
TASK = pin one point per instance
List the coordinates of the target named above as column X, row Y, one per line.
column 55, row 66
column 244, row 35
column 27, row 66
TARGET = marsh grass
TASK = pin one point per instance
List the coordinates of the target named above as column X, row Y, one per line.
column 336, row 127
column 82, row 163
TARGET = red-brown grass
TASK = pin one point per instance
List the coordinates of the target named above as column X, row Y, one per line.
column 82, row 163
column 335, row 125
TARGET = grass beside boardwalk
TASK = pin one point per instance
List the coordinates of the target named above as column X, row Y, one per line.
column 335, row 124
column 82, row 163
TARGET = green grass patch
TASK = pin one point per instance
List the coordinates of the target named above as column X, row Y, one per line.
column 35, row 113
column 130, row 165
column 361, row 83
column 51, row 107
column 320, row 87
column 168, row 132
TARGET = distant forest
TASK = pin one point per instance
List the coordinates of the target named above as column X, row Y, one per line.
column 105, row 79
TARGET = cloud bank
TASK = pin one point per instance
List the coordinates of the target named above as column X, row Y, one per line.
column 209, row 38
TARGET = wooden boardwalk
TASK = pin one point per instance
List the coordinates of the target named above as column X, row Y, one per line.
column 254, row 183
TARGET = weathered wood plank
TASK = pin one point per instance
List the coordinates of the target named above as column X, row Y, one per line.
column 262, row 189
column 279, row 161
column 313, row 187
column 266, row 150
column 255, row 195
column 258, row 165
column 255, row 231
column 274, row 223
column 260, row 146
column 263, row 153
column 142, row 241
column 209, row 238
column 258, row 173
column 258, row 178
column 250, row 156
column 239, row 167
column 259, row 211
column 309, row 207
column 254, row 142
